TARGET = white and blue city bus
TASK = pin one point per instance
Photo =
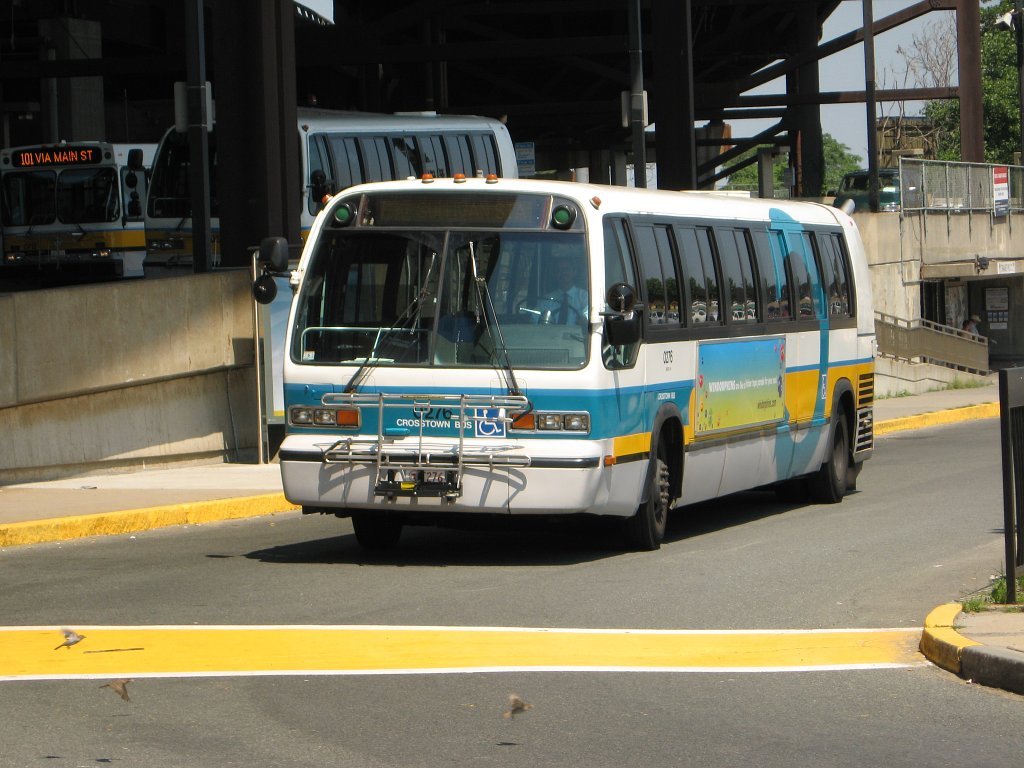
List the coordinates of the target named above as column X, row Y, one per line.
column 462, row 347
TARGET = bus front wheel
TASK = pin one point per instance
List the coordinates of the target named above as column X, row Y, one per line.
column 829, row 484
column 374, row 531
column 645, row 530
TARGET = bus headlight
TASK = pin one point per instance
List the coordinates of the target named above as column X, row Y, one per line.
column 551, row 422
column 576, row 422
column 300, row 415
column 308, row 416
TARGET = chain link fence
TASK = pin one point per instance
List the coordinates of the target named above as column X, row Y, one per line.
column 934, row 186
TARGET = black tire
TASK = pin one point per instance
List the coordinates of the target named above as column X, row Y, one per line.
column 645, row 530
column 829, row 484
column 376, row 531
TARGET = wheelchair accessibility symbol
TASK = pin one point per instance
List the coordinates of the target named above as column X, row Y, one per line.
column 489, row 422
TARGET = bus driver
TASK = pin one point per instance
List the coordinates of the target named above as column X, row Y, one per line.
column 567, row 303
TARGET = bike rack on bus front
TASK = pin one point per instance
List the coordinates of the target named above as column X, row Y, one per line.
column 428, row 468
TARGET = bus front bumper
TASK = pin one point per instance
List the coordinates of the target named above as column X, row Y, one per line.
column 533, row 477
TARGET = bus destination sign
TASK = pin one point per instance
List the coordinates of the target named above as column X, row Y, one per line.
column 63, row 155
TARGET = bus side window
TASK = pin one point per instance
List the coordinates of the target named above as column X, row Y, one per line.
column 406, row 157
column 459, row 158
column 737, row 276
column 485, row 153
column 376, row 160
column 767, row 276
column 432, row 154
column 695, row 284
column 837, row 284
column 653, row 277
column 779, row 255
column 618, row 268
column 701, row 275
column 805, row 276
column 347, row 168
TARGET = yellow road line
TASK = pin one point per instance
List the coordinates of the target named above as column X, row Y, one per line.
column 29, row 652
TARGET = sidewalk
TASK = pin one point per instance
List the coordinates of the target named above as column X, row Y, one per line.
column 987, row 648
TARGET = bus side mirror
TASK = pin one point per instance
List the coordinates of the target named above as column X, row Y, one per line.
column 274, row 251
column 264, row 289
column 274, row 257
column 135, row 159
column 622, row 324
column 621, row 297
column 319, row 188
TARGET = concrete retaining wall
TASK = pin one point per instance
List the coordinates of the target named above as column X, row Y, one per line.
column 894, row 378
column 119, row 374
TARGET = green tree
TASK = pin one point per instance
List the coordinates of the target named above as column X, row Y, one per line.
column 999, row 101
column 838, row 161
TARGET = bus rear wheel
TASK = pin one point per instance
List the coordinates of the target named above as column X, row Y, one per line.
column 375, row 531
column 645, row 530
column 829, row 484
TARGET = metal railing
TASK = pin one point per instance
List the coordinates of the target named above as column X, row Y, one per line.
column 929, row 342
column 935, row 186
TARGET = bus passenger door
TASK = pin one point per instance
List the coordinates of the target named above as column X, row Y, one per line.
column 807, row 348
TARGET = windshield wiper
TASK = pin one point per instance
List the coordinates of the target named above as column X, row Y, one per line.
column 403, row 318
column 484, row 300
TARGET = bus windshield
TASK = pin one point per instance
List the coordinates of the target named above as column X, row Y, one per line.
column 88, row 195
column 449, row 298
column 29, row 198
column 169, row 191
column 72, row 196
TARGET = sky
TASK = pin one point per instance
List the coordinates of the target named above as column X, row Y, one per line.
column 844, row 71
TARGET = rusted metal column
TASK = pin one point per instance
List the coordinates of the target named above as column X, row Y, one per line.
column 869, row 98
column 972, row 126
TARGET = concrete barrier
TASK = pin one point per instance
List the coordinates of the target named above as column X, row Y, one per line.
column 121, row 374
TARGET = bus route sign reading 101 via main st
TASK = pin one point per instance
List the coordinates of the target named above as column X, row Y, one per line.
column 63, row 155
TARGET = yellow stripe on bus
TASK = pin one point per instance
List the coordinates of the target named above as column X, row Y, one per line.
column 632, row 445
column 116, row 239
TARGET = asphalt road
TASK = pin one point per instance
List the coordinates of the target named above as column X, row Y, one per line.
column 923, row 529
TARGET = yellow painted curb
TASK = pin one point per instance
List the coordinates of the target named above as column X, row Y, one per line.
column 937, row 418
column 941, row 644
column 129, row 520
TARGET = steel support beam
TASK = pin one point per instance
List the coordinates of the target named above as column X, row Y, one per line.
column 198, row 139
column 673, row 66
column 972, row 125
column 257, row 137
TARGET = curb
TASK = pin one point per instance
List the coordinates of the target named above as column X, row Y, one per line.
column 940, row 643
column 936, row 418
column 131, row 520
column 994, row 666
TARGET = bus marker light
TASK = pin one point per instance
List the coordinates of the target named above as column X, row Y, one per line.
column 525, row 421
column 459, row 178
column 347, row 417
column 344, row 215
column 609, row 461
column 492, row 178
column 427, row 178
column 563, row 216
